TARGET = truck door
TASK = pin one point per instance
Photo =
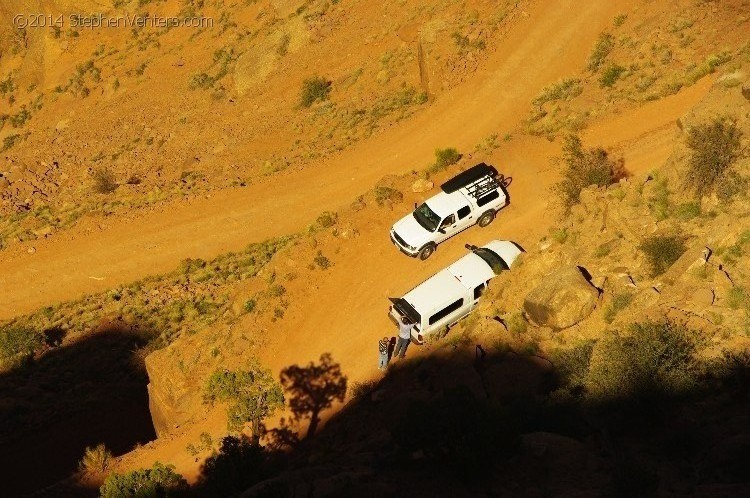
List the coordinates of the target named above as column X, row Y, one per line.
column 478, row 291
column 446, row 228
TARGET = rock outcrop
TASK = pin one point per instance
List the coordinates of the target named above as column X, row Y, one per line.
column 563, row 299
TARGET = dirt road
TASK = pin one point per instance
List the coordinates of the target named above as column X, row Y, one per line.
column 101, row 255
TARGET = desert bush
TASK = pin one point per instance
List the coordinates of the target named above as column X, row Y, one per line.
column 321, row 261
column 385, row 194
column 602, row 48
column 160, row 480
column 584, row 167
column 444, row 158
column 326, row 219
column 201, row 80
column 737, row 297
column 104, row 181
column 714, row 147
column 276, row 290
column 662, row 251
column 249, row 305
column 96, row 460
column 359, row 390
column 610, row 75
column 656, row 358
column 18, row 344
column 313, row 90
column 517, row 324
column 731, row 184
column 619, row 302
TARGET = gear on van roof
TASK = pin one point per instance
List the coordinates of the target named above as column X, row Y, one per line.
column 468, row 177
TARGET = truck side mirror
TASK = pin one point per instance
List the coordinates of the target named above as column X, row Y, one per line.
column 441, row 230
column 415, row 205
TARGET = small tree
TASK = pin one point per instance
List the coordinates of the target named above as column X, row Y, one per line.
column 252, row 394
column 96, row 460
column 314, row 388
column 584, row 167
column 714, row 147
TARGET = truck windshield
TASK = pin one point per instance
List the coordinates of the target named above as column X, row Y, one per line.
column 492, row 259
column 407, row 310
column 427, row 217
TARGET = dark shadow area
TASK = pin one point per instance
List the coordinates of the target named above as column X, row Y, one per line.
column 478, row 423
column 89, row 392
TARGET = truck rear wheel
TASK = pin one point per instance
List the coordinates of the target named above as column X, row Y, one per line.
column 426, row 251
column 486, row 219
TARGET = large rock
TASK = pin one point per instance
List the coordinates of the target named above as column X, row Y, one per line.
column 563, row 299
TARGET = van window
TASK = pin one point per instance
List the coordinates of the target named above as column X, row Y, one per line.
column 464, row 212
column 479, row 290
column 488, row 198
column 446, row 311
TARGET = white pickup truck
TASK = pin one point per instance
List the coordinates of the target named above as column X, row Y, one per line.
column 472, row 197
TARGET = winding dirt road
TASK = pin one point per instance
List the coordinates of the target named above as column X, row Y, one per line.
column 90, row 258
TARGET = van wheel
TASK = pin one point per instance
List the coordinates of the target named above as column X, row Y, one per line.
column 426, row 251
column 486, row 219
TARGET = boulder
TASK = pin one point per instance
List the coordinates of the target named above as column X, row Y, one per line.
column 421, row 186
column 563, row 299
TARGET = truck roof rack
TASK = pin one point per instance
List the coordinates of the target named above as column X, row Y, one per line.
column 478, row 180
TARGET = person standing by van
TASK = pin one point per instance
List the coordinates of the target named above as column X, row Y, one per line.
column 404, row 337
column 383, row 349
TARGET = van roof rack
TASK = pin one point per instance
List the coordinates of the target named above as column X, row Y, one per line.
column 478, row 180
column 468, row 177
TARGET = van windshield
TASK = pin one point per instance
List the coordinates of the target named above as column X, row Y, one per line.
column 407, row 310
column 427, row 217
column 492, row 259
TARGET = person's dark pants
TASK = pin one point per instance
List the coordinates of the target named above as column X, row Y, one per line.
column 401, row 345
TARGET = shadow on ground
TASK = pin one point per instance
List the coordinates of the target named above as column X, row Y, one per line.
column 89, row 392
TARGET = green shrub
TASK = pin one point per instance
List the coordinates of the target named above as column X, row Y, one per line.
column 611, row 75
column 517, row 324
column 326, row 219
column 584, row 167
column 105, row 181
column 321, row 261
column 276, row 290
column 619, row 302
column 731, row 184
column 160, row 480
column 385, row 194
column 96, row 460
column 18, row 344
column 662, row 251
column 656, row 358
column 714, row 147
column 572, row 365
column 445, row 158
column 249, row 305
column 313, row 90
column 604, row 45
column 201, row 80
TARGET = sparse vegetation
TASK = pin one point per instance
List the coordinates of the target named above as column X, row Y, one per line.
column 662, row 251
column 565, row 89
column 321, row 261
column 620, row 301
column 714, row 147
column 315, row 89
column 611, row 74
column 326, row 219
column 584, row 167
column 604, row 45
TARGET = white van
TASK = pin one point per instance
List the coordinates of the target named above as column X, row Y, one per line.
column 472, row 197
column 451, row 294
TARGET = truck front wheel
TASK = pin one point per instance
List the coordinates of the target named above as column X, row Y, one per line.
column 486, row 219
column 426, row 251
